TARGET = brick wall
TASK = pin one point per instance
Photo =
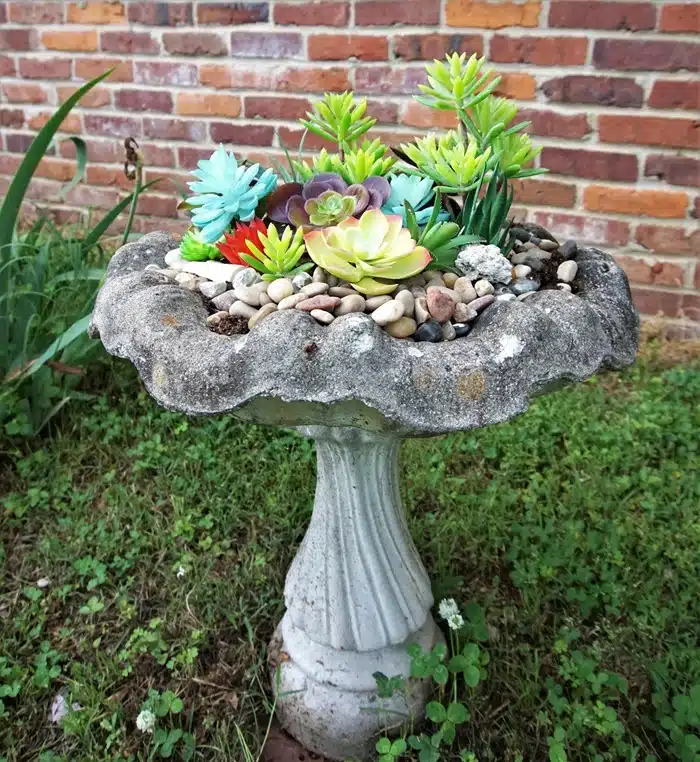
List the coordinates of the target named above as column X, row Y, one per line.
column 611, row 89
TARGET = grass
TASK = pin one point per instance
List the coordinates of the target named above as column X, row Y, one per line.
column 145, row 552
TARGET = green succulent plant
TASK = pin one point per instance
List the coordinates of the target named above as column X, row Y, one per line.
column 514, row 151
column 330, row 208
column 356, row 165
column 279, row 256
column 486, row 215
column 339, row 118
column 194, row 249
column 371, row 253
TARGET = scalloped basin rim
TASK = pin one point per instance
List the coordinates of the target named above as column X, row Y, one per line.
column 290, row 371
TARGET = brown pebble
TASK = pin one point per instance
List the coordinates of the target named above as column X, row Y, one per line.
column 320, row 302
column 440, row 304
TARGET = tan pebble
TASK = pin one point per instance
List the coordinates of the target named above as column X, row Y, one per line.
column 388, row 312
column 464, row 313
column 242, row 309
column 290, row 302
column 341, row 291
column 376, row 301
column 435, row 283
column 265, row 299
column 314, row 289
column 401, row 328
column 216, row 317
column 261, row 314
column 322, row 316
column 450, row 279
column 280, row 289
column 248, row 294
column 547, row 245
column 483, row 287
column 421, row 310
column 407, row 300
column 464, row 289
column 319, row 275
column 350, row 303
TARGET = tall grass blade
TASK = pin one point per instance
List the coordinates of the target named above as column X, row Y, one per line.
column 81, row 159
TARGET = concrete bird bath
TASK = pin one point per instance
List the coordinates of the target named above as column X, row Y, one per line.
column 357, row 593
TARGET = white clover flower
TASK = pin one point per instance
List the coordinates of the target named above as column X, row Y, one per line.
column 448, row 607
column 146, row 721
column 455, row 622
column 180, row 572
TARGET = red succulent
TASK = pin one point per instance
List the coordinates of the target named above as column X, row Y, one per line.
column 234, row 244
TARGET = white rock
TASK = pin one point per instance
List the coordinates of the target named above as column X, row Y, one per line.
column 314, row 289
column 168, row 272
column 211, row 288
column 564, row 287
column 152, row 267
column 566, row 271
column 464, row 313
column 216, row 317
column 526, row 295
column 319, row 275
column 322, row 316
column 261, row 314
column 290, row 302
column 417, row 291
column 448, row 332
column 522, row 271
column 280, row 289
column 173, row 256
column 350, row 303
column 246, row 277
column 342, row 291
column 224, row 301
column 265, row 299
column 420, row 308
column 484, row 261
column 248, row 295
column 506, row 298
column 388, row 312
column 242, row 309
column 407, row 300
column 188, row 281
column 483, row 288
column 401, row 328
column 211, row 270
column 376, row 301
column 464, row 289
column 301, row 280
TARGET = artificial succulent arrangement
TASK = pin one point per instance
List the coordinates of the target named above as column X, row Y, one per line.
column 369, row 217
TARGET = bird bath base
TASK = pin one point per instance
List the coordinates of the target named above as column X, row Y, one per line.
column 357, row 595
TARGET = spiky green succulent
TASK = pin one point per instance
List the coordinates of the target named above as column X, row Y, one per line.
column 457, row 83
column 514, row 151
column 339, row 118
column 194, row 249
column 357, row 164
column 279, row 256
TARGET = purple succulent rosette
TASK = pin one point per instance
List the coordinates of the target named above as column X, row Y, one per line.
column 289, row 203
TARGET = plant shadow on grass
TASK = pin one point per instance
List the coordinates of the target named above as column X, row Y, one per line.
column 142, row 550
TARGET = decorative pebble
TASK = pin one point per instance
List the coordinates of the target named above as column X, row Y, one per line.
column 435, row 283
column 152, row 267
column 440, row 304
column 190, row 282
column 224, row 301
column 326, row 318
column 265, row 299
column 280, row 289
column 484, row 261
column 464, row 289
column 408, row 302
column 290, row 302
column 319, row 302
column 522, row 271
column 341, row 291
column 350, row 303
column 536, row 263
column 319, row 275
column 568, row 249
column 524, row 286
column 431, row 330
column 248, row 295
column 315, row 289
column 548, row 245
column 246, row 277
column 526, row 295
column 167, row 272
column 566, row 271
column 509, row 297
column 461, row 329
column 464, row 313
column 450, row 279
column 331, row 280
column 242, row 309
column 537, row 241
column 261, row 314
column 216, row 317
column 520, row 234
column 480, row 304
column 173, row 256
column 448, row 332
column 211, row 288
column 301, row 280
column 420, row 309
column 483, row 288
column 417, row 291
column 529, row 245
column 401, row 328
column 376, row 301
column 388, row 312
column 564, row 287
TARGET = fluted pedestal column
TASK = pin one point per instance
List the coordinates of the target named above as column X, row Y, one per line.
column 356, row 594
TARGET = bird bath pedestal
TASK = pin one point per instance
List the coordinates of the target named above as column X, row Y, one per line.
column 357, row 593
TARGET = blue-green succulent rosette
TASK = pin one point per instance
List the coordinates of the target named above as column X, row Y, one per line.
column 226, row 191
column 418, row 191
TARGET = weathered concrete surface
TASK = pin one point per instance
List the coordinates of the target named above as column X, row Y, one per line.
column 292, row 371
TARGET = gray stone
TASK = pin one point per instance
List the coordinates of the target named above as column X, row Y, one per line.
column 568, row 249
column 350, row 303
column 448, row 332
column 261, row 314
column 331, row 280
column 461, row 329
column 483, row 288
column 246, row 277
column 301, row 280
column 314, row 289
column 248, row 295
column 224, row 301
column 323, row 317
column 388, row 312
column 417, row 291
column 210, row 288
column 242, row 309
column 430, row 331
column 280, row 289
column 537, row 231
column 319, row 276
column 341, row 291
column 566, row 271
column 376, row 301
column 524, row 286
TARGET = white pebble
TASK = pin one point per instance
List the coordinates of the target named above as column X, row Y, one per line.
column 350, row 303
column 215, row 319
column 464, row 313
column 547, row 245
column 173, row 256
column 242, row 309
column 248, row 295
column 210, row 288
column 483, row 288
column 319, row 275
column 341, row 291
column 566, row 271
column 464, row 289
column 388, row 312
column 331, row 280
column 245, row 277
column 314, row 289
column 564, row 287
column 417, row 291
column 280, row 289
column 261, row 314
column 301, row 280
column 376, row 301
column 420, row 308
column 522, row 271
column 401, row 328
column 407, row 300
column 290, row 302
column 265, row 299
column 506, row 298
column 322, row 316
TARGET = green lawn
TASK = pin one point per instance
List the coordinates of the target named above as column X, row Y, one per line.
column 574, row 528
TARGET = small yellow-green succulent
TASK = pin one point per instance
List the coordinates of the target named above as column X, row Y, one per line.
column 371, row 253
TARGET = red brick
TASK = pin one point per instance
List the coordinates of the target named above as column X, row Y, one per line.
column 205, row 104
column 487, row 15
column 89, row 68
column 243, row 134
column 651, row 271
column 165, row 73
column 388, row 80
column 144, row 101
column 680, row 17
column 19, row 142
column 110, row 176
column 649, row 131
column 648, row 302
column 157, row 156
column 25, row 92
column 174, row 129
column 516, row 85
column 70, row 124
column 9, row 164
column 646, row 55
column 11, row 117
column 554, row 125
column 388, row 12
column 96, row 13
column 112, row 126
column 635, row 202
column 544, row 193
column 540, row 51
column 290, row 138
column 695, row 214
column 16, row 39
column 573, row 14
column 83, row 42
column 100, row 198
column 96, row 98
column 676, row 170
column 418, row 115
column 426, row 47
column 157, row 206
column 274, row 107
column 46, row 68
column 266, row 45
column 188, row 157
column 158, row 224
column 585, row 228
column 232, row 14
column 3, row 13
column 339, row 47
column 160, row 13
column 195, row 44
column 668, row 240
column 675, row 94
column 383, row 111
column 215, row 75
column 604, row 91
column 56, row 169
column 317, row 80
column 36, row 13
column 7, row 67
column 129, row 42
column 593, row 165
column 104, row 151
column 322, row 13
